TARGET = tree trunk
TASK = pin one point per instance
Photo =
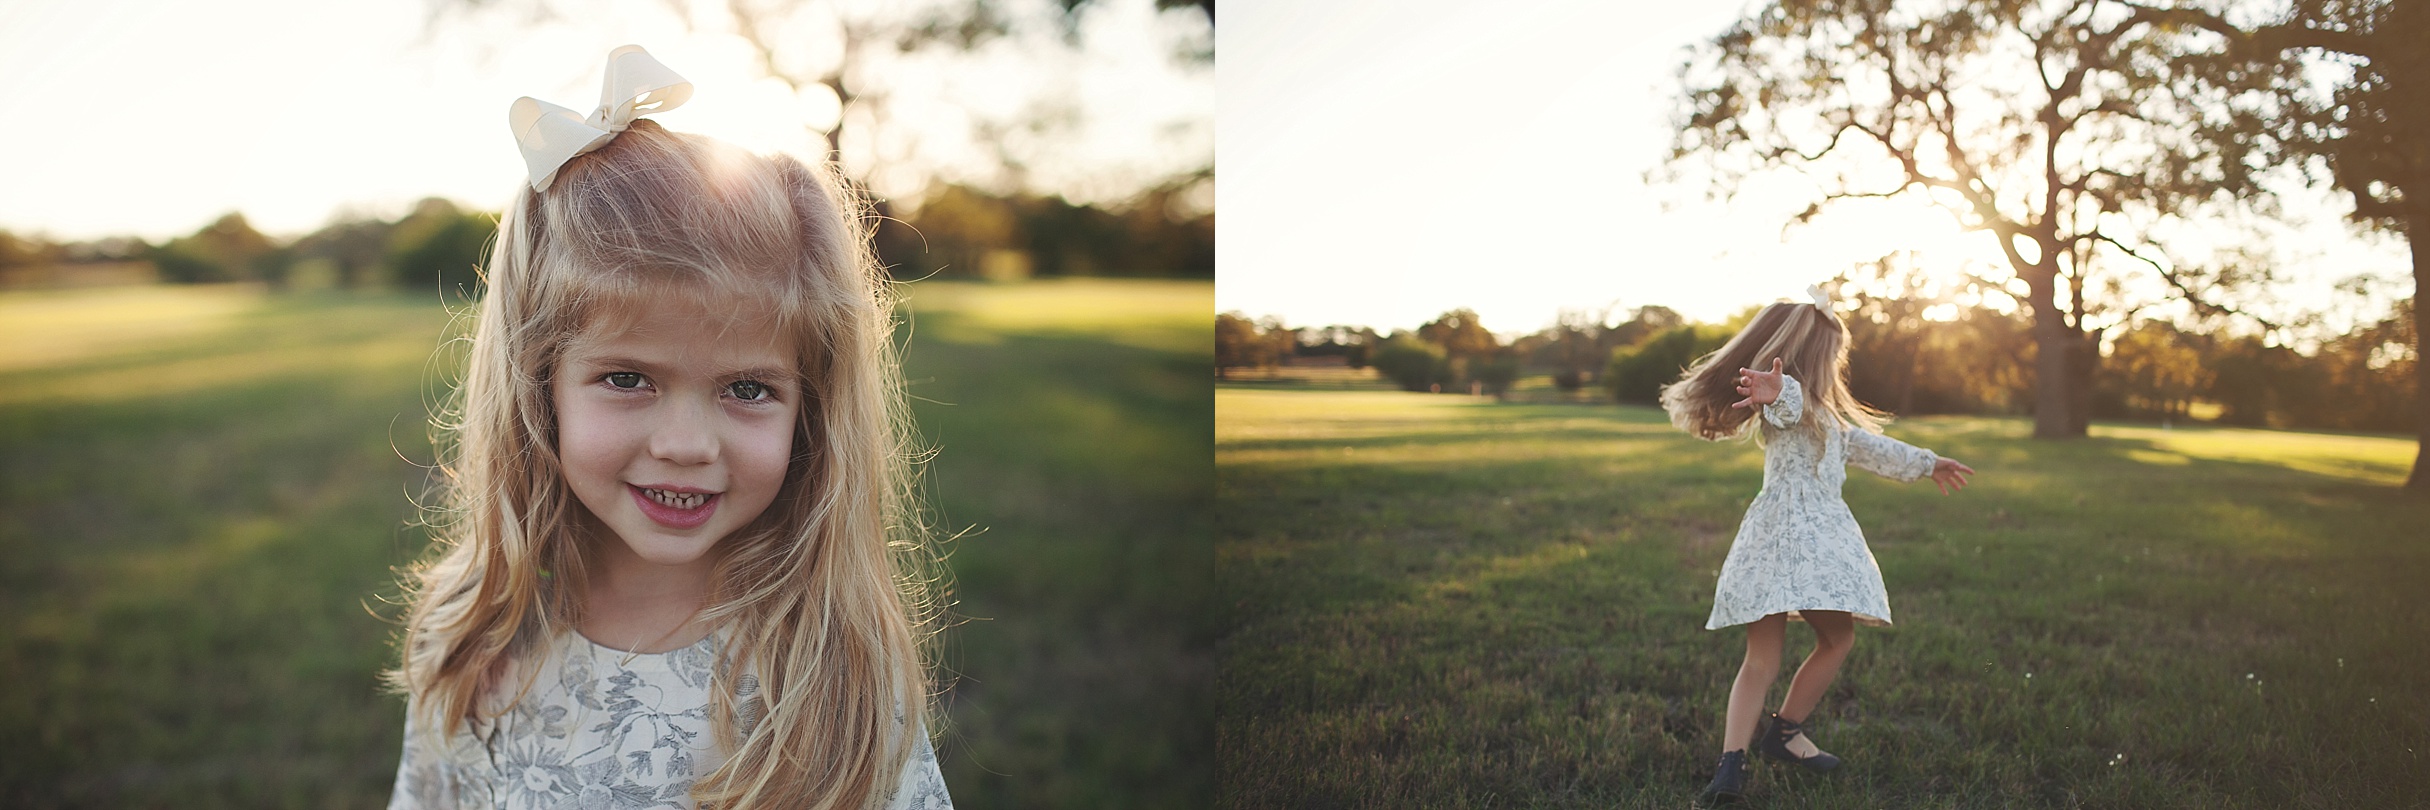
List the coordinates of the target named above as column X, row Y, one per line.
column 1906, row 381
column 2417, row 227
column 2083, row 362
column 2053, row 373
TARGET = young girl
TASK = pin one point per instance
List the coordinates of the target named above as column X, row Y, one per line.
column 678, row 565
column 1798, row 554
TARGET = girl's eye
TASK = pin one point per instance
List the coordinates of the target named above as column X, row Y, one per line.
column 750, row 391
column 625, row 380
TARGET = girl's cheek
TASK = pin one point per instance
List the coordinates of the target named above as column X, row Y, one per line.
column 762, row 448
column 586, row 435
column 770, row 446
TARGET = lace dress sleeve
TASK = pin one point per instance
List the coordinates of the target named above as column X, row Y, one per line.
column 1888, row 457
column 424, row 782
column 1791, row 405
column 922, row 786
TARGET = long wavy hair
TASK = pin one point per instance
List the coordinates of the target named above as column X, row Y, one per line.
column 825, row 598
column 1812, row 345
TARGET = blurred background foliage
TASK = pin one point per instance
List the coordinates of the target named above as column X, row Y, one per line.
column 1915, row 349
column 957, row 232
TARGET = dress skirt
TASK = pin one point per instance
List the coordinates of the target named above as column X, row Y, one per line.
column 1799, row 548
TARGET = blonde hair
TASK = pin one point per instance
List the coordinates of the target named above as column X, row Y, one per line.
column 1812, row 346
column 824, row 598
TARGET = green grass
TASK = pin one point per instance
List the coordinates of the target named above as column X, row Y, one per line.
column 1448, row 601
column 203, row 492
column 1071, row 422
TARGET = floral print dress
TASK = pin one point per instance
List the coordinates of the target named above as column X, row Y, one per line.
column 602, row 728
column 1799, row 548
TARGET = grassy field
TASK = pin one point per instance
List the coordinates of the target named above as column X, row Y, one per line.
column 203, row 492
column 1449, row 601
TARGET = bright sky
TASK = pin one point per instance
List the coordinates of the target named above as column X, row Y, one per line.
column 154, row 118
column 1384, row 162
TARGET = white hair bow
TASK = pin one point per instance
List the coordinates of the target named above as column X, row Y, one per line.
column 550, row 135
column 1822, row 297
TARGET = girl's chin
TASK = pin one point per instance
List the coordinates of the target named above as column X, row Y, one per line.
column 654, row 544
column 662, row 550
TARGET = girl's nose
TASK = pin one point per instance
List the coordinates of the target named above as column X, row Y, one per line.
column 685, row 434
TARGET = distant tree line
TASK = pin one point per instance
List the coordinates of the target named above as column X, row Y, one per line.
column 1909, row 354
column 1454, row 352
column 436, row 244
column 1243, row 343
column 955, row 232
column 964, row 232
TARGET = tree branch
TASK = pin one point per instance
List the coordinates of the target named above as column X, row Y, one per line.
column 2271, row 39
column 2202, row 306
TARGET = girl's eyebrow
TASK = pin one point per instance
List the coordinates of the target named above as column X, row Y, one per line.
column 762, row 373
column 612, row 360
column 769, row 373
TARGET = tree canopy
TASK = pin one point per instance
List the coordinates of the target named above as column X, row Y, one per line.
column 2340, row 90
column 2069, row 131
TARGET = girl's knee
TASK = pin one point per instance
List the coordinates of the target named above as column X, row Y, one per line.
column 1832, row 629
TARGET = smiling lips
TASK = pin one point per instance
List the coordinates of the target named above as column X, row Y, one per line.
column 675, row 507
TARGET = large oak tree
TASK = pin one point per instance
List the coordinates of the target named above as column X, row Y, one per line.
column 2069, row 130
column 2341, row 90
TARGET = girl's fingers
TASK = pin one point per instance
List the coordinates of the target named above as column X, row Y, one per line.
column 1776, row 365
column 1950, row 476
column 1749, row 402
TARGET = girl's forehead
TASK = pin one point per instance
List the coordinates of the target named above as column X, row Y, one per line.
column 682, row 329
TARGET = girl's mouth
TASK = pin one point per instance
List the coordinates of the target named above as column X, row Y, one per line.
column 675, row 510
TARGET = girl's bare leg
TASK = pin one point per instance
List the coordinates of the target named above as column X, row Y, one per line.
column 1755, row 677
column 1834, row 635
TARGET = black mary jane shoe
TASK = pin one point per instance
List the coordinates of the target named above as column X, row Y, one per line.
column 1774, row 742
column 1729, row 780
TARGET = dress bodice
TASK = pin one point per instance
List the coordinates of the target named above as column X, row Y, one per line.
column 601, row 727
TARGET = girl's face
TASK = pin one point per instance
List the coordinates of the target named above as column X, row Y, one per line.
column 676, row 431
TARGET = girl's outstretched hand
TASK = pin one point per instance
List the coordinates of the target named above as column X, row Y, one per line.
column 1759, row 387
column 1950, row 475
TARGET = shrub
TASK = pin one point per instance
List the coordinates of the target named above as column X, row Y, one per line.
column 1495, row 374
column 1638, row 373
column 445, row 256
column 1411, row 363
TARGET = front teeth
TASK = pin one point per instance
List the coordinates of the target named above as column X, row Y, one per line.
column 675, row 500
